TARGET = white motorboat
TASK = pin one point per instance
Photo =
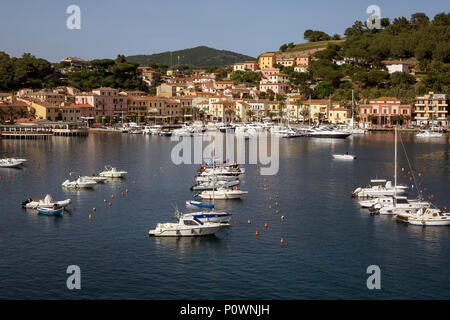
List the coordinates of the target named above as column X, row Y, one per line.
column 428, row 134
column 369, row 203
column 81, row 182
column 97, row 179
column 111, row 172
column 327, row 133
column 401, row 205
column 11, row 162
column 379, row 188
column 152, row 130
column 187, row 226
column 281, row 131
column 223, row 194
column 47, row 202
column 345, row 156
column 210, row 185
column 199, row 179
column 429, row 217
column 207, row 216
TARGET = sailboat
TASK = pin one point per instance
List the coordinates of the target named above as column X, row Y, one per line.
column 352, row 128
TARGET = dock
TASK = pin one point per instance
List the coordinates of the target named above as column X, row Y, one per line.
column 42, row 131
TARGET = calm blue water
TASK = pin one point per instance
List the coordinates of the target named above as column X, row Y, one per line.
column 329, row 241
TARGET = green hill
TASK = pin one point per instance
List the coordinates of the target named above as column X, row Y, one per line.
column 199, row 57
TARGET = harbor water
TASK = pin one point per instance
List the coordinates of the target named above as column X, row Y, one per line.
column 328, row 241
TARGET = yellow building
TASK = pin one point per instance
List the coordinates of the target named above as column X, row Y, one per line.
column 339, row 116
column 223, row 110
column 44, row 110
column 266, row 60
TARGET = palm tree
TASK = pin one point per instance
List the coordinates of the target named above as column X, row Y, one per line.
column 229, row 113
column 304, row 113
column 250, row 114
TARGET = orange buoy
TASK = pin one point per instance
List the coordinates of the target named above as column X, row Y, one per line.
column 282, row 240
column 112, row 196
column 265, row 225
column 256, row 233
column 445, row 208
column 110, row 203
column 122, row 194
column 118, row 187
column 420, row 174
column 270, row 207
column 277, row 212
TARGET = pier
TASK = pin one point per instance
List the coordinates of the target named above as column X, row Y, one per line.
column 42, row 131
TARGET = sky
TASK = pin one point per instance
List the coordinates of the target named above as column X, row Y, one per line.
column 111, row 27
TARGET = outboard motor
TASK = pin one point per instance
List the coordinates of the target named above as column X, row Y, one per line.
column 24, row 203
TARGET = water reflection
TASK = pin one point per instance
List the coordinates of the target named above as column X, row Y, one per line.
column 185, row 245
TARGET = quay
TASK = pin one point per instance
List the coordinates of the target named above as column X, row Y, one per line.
column 42, row 130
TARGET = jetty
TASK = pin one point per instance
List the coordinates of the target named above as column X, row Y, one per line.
column 42, row 130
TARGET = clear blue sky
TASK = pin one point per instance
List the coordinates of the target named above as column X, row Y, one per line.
column 151, row 26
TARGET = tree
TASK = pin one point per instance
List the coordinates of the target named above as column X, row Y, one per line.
column 313, row 36
column 283, row 48
column 305, row 114
column 418, row 19
column 250, row 114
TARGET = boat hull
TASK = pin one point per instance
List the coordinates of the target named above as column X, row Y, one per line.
column 184, row 232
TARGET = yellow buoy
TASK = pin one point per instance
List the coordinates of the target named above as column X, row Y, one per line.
column 249, row 222
column 110, row 203
column 104, row 200
column 90, row 216
column 126, row 190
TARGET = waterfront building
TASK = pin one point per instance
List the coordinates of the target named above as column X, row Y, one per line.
column 431, row 108
column 384, row 110
column 338, row 115
column 106, row 101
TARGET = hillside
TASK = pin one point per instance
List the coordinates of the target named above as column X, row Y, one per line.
column 199, row 57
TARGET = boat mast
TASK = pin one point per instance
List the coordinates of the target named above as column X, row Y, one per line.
column 395, row 169
column 353, row 124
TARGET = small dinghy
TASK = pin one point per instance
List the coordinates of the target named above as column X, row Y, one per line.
column 345, row 156
column 55, row 211
column 198, row 204
column 47, row 202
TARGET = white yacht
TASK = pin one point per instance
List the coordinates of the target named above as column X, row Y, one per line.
column 344, row 156
column 223, row 194
column 429, row 217
column 152, row 130
column 210, row 185
column 429, row 134
column 187, row 226
column 111, row 172
column 378, row 188
column 369, row 203
column 327, row 133
column 11, row 162
column 401, row 205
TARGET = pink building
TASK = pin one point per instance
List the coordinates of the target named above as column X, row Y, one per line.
column 303, row 61
column 266, row 72
column 251, row 65
column 278, row 88
column 106, row 101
